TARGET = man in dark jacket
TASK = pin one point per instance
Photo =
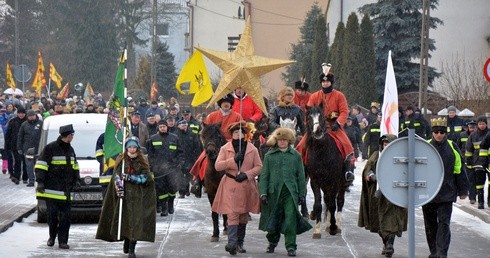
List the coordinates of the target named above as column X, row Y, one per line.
column 194, row 126
column 164, row 156
column 354, row 134
column 454, row 124
column 473, row 154
column 437, row 213
column 462, row 140
column 11, row 145
column 28, row 141
column 413, row 121
column 57, row 173
column 191, row 148
column 371, row 138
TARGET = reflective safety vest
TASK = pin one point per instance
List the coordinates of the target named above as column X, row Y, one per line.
column 105, row 179
column 54, row 195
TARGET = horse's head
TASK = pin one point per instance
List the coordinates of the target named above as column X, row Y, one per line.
column 212, row 139
column 315, row 121
column 288, row 123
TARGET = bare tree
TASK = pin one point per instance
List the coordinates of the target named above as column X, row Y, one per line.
column 463, row 83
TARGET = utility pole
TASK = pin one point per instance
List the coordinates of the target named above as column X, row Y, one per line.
column 154, row 41
column 16, row 24
column 424, row 56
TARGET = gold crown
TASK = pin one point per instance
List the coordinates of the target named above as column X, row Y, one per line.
column 375, row 104
column 440, row 121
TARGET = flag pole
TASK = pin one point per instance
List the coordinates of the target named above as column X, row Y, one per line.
column 125, row 106
column 49, row 86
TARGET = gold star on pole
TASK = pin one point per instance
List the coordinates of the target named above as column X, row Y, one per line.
column 242, row 69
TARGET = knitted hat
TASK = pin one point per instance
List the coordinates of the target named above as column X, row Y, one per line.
column 132, row 142
column 451, row 108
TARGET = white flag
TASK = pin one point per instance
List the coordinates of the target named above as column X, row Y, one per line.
column 389, row 120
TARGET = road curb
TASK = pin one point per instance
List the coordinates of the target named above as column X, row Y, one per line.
column 481, row 214
column 26, row 214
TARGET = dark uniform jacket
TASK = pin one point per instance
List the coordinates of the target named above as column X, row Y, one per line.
column 354, row 134
column 12, row 132
column 57, row 169
column 371, row 140
column 194, row 126
column 417, row 122
column 455, row 182
column 454, row 128
column 473, row 146
column 191, row 148
column 29, row 135
column 164, row 153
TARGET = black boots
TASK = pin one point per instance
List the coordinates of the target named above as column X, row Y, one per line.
column 50, row 242
column 132, row 247
column 126, row 246
column 389, row 250
column 349, row 170
column 270, row 248
column 242, row 228
column 164, row 208
column 231, row 247
column 171, row 205
column 479, row 194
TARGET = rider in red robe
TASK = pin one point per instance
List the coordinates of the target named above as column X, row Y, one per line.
column 336, row 111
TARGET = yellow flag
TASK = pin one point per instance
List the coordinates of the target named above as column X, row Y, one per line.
column 194, row 72
column 39, row 80
column 10, row 79
column 55, row 76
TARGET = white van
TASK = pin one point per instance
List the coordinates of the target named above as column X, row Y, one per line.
column 88, row 127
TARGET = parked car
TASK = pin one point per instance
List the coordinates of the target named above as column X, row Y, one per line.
column 88, row 199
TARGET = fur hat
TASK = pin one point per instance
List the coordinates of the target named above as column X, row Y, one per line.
column 237, row 125
column 228, row 98
column 283, row 92
column 329, row 77
column 281, row 134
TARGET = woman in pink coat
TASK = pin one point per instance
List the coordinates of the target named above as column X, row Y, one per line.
column 237, row 192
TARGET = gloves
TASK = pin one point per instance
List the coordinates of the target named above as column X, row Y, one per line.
column 263, row 200
column 40, row 187
column 302, row 200
column 239, row 156
column 372, row 176
column 137, row 179
column 335, row 126
column 241, row 177
column 119, row 187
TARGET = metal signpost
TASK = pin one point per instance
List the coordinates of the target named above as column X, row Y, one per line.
column 410, row 173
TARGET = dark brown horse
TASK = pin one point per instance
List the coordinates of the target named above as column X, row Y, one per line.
column 326, row 171
column 212, row 140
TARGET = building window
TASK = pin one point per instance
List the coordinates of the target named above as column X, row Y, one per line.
column 162, row 29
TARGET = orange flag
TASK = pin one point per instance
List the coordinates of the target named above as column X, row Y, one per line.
column 154, row 91
column 39, row 80
column 10, row 79
column 63, row 94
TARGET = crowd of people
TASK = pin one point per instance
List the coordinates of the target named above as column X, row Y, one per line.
column 170, row 133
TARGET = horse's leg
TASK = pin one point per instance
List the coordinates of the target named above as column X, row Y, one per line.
column 329, row 199
column 340, row 205
column 317, row 210
column 215, row 236
column 225, row 224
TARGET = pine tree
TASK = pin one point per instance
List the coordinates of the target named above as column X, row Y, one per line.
column 302, row 52
column 165, row 71
column 349, row 71
column 397, row 26
column 335, row 53
column 368, row 64
column 319, row 52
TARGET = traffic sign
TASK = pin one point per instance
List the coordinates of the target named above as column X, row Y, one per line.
column 393, row 168
column 486, row 70
column 22, row 73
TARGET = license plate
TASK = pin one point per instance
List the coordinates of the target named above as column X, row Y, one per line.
column 88, row 196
